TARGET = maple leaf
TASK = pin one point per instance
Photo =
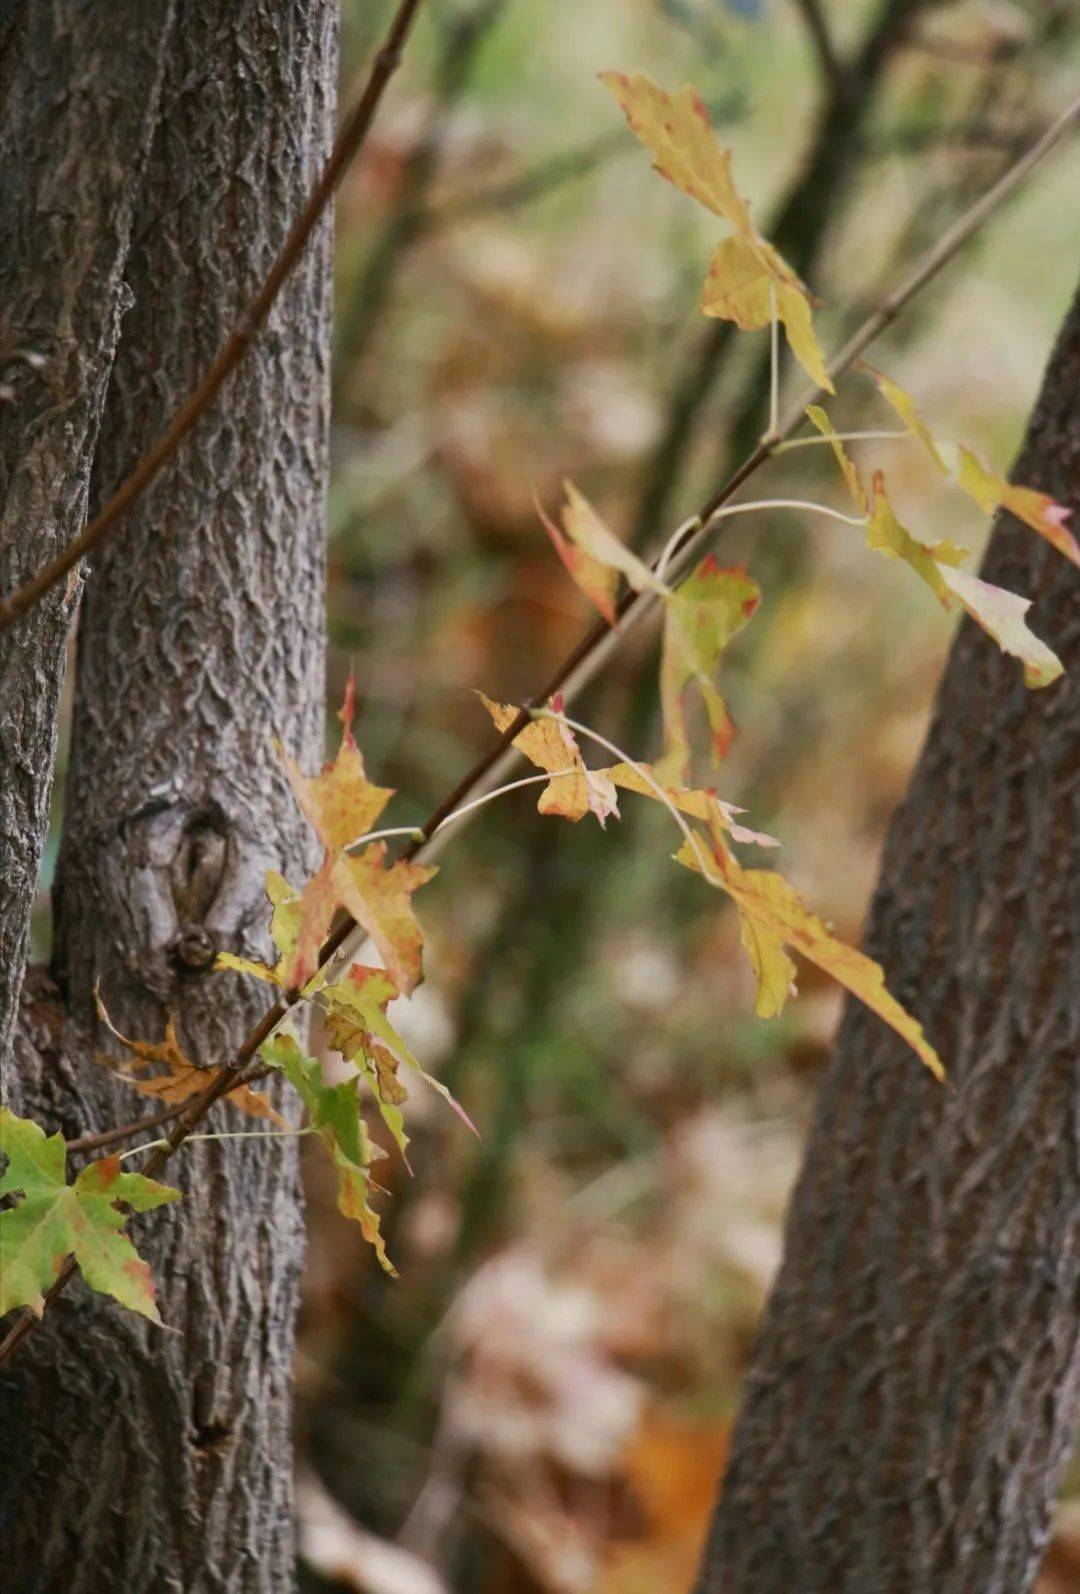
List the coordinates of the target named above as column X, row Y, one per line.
column 747, row 275
column 593, row 555
column 378, row 897
column 183, row 1078
column 553, row 747
column 999, row 612
column 55, row 1219
column 744, row 281
column 1001, row 615
column 340, row 802
column 775, row 920
column 358, row 1026
column 885, row 533
column 710, row 607
column 1037, row 510
column 335, row 1116
column 699, row 804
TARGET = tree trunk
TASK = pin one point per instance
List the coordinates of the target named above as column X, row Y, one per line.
column 913, row 1391
column 162, row 1461
column 76, row 78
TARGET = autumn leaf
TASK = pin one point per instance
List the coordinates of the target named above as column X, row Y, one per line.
column 574, row 791
column 744, row 282
column 699, row 804
column 335, row 1116
column 676, row 129
column 775, row 921
column 378, row 896
column 357, row 1023
column 340, row 802
column 183, row 1078
column 885, row 533
column 710, row 607
column 55, row 1219
column 908, row 411
column 1001, row 615
column 593, row 555
column 747, row 276
column 1037, row 510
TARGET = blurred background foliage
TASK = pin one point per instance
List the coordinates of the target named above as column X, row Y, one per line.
column 542, row 1402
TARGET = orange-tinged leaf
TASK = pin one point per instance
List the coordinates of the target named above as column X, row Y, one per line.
column 701, row 804
column 357, row 1008
column 551, row 746
column 675, row 128
column 596, row 580
column 1001, row 614
column 593, row 554
column 745, row 271
column 379, row 898
column 183, row 1078
column 340, row 802
column 311, row 914
column 54, row 1219
column 1035, row 509
column 775, row 920
column 710, row 607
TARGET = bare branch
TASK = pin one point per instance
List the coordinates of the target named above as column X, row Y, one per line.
column 198, row 402
column 832, row 68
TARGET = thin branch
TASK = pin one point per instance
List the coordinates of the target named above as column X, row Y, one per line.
column 588, row 657
column 242, row 336
column 832, row 68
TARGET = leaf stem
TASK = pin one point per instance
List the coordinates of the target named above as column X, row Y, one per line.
column 840, row 437
column 774, row 365
column 225, row 1134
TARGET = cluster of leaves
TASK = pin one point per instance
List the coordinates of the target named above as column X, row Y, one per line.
column 749, row 283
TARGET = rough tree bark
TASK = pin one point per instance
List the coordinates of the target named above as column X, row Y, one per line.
column 914, row 1388
column 150, row 1460
column 73, row 81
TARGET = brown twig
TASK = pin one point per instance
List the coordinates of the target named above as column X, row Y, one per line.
column 592, row 651
column 240, row 339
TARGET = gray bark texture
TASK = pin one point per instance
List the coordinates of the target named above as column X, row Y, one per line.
column 150, row 1460
column 913, row 1391
column 75, row 78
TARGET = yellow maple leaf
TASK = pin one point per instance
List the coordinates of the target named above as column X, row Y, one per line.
column 745, row 279
column 553, row 747
column 775, row 920
column 1036, row 509
column 593, row 555
column 747, row 276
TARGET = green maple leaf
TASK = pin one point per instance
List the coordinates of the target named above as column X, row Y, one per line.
column 55, row 1219
column 334, row 1113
